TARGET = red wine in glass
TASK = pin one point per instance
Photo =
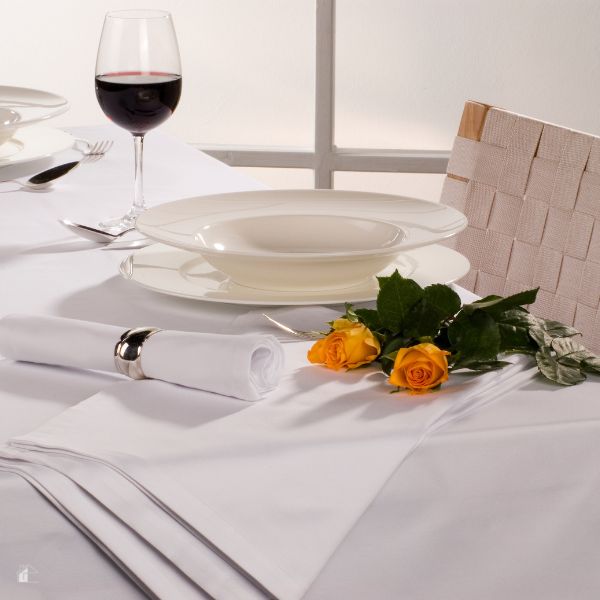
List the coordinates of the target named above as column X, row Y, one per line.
column 138, row 84
column 138, row 101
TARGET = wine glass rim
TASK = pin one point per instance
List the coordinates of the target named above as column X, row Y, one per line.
column 138, row 13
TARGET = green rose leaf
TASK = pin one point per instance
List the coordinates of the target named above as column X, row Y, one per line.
column 422, row 320
column 563, row 373
column 396, row 297
column 369, row 318
column 571, row 351
column 570, row 361
column 394, row 344
column 389, row 350
column 388, row 354
column 519, row 317
column 497, row 304
column 556, row 329
column 383, row 279
column 515, row 339
column 569, row 347
column 443, row 298
column 476, row 336
column 438, row 304
column 514, row 331
column 481, row 366
column 591, row 365
column 540, row 336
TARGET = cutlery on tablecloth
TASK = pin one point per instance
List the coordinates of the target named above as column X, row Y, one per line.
column 299, row 333
column 100, row 236
column 44, row 179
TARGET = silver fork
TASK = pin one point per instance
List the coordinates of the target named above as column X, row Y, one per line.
column 310, row 335
column 44, row 179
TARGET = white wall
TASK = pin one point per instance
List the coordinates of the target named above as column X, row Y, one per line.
column 404, row 66
column 247, row 64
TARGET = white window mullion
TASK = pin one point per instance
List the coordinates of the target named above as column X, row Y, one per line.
column 325, row 159
column 324, row 93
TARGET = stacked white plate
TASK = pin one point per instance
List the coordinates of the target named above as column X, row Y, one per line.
column 285, row 247
column 23, row 138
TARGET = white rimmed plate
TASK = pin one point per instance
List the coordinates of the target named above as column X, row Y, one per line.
column 31, row 105
column 34, row 143
column 179, row 223
column 185, row 274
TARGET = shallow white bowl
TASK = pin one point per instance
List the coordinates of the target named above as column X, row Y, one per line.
column 323, row 224
column 299, row 252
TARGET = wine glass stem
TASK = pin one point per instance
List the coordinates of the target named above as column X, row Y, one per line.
column 138, row 178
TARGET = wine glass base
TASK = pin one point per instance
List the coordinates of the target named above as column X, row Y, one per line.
column 117, row 225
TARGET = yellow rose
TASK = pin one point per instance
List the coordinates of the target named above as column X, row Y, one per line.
column 349, row 345
column 420, row 368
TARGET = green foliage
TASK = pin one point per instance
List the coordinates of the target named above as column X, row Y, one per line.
column 438, row 304
column 496, row 305
column 369, row 317
column 564, row 371
column 476, row 334
column 397, row 296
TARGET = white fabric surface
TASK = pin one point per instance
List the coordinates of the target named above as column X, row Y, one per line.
column 244, row 366
column 306, row 465
column 502, row 504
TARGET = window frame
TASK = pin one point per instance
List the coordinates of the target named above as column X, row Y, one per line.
column 326, row 158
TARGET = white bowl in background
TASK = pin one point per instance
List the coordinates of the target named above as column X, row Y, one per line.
column 21, row 107
column 9, row 123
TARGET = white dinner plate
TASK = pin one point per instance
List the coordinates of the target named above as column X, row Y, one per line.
column 179, row 223
column 186, row 274
column 34, row 143
column 30, row 105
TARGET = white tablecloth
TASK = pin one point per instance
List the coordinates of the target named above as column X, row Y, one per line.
column 500, row 505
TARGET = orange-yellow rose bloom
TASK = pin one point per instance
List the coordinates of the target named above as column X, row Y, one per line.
column 348, row 346
column 420, row 368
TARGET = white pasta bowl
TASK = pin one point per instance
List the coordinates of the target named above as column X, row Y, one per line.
column 300, row 251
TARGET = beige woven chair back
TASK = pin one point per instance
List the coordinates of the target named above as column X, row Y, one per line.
column 531, row 193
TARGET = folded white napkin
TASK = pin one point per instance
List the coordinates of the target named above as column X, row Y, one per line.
column 243, row 366
column 271, row 489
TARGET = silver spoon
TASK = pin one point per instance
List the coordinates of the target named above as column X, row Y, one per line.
column 100, row 236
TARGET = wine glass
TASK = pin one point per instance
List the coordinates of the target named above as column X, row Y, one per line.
column 138, row 84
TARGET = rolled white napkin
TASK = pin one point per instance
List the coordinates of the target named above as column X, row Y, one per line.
column 242, row 366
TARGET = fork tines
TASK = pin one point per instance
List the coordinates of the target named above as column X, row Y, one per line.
column 99, row 148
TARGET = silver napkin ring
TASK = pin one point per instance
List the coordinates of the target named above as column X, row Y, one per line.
column 128, row 351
